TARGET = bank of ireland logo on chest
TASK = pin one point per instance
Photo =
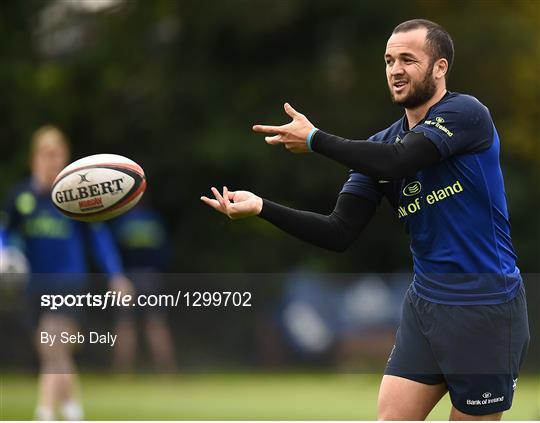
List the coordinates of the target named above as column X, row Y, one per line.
column 412, row 188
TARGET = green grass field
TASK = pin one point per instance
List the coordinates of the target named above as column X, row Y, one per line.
column 235, row 397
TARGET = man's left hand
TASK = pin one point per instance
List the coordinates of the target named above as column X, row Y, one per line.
column 293, row 135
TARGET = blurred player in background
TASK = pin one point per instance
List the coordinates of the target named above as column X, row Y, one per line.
column 142, row 238
column 464, row 327
column 348, row 321
column 55, row 248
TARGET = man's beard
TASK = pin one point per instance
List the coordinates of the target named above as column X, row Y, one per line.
column 419, row 94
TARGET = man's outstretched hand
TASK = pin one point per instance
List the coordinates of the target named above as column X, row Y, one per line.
column 293, row 135
column 235, row 204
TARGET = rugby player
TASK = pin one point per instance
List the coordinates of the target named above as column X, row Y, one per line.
column 464, row 327
column 55, row 248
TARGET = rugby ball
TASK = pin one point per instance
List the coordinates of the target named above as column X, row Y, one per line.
column 98, row 187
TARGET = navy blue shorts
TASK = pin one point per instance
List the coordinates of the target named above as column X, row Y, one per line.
column 476, row 350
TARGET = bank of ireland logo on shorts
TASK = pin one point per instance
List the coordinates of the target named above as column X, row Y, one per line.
column 412, row 188
column 439, row 119
column 487, row 398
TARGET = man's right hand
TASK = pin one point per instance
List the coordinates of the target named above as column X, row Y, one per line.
column 235, row 204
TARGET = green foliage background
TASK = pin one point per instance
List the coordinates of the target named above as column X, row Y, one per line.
column 176, row 85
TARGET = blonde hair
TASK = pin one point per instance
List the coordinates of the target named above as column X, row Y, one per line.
column 51, row 135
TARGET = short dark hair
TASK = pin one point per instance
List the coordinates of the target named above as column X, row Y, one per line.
column 438, row 40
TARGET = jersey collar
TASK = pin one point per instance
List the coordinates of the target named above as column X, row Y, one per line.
column 405, row 123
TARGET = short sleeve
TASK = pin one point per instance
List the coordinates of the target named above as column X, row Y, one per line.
column 362, row 186
column 457, row 126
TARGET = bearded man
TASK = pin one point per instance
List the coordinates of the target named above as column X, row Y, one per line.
column 464, row 327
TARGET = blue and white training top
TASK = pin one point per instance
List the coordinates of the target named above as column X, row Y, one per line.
column 53, row 243
column 455, row 212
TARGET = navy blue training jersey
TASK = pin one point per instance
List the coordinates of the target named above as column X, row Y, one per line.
column 54, row 243
column 455, row 212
